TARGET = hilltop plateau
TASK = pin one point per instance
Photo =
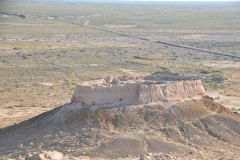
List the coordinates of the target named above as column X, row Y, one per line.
column 191, row 127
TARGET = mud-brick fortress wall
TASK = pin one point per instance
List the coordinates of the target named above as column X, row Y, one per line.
column 174, row 90
column 141, row 90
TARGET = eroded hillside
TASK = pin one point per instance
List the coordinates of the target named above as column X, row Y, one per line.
column 198, row 126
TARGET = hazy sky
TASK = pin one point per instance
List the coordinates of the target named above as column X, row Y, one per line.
column 178, row 0
column 161, row 0
column 184, row 0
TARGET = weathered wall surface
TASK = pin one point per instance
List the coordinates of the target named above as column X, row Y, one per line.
column 183, row 89
column 106, row 94
column 90, row 93
column 179, row 90
column 150, row 94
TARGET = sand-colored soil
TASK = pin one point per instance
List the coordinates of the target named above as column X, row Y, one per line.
column 120, row 26
column 47, row 84
column 231, row 102
column 198, row 127
column 16, row 114
column 222, row 64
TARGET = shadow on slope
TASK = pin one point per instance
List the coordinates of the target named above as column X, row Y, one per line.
column 190, row 126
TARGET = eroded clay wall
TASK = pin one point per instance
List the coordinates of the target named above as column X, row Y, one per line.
column 90, row 93
column 150, row 93
column 183, row 89
column 180, row 90
column 106, row 94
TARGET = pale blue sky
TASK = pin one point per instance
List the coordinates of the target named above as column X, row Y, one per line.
column 161, row 0
column 178, row 0
column 185, row 0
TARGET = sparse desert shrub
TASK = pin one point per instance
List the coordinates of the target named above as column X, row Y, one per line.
column 228, row 94
column 16, row 48
column 83, row 50
column 25, row 57
column 22, row 16
column 212, row 85
column 5, row 61
column 20, row 145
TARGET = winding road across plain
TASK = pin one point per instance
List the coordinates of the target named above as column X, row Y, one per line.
column 85, row 24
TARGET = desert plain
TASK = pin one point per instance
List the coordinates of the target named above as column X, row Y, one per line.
column 47, row 48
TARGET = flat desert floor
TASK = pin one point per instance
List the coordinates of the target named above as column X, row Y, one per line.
column 44, row 53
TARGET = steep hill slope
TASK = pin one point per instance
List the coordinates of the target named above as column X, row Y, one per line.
column 188, row 126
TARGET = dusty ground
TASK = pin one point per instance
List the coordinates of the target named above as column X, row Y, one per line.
column 44, row 56
column 222, row 64
column 230, row 102
column 149, row 156
column 12, row 115
column 198, row 127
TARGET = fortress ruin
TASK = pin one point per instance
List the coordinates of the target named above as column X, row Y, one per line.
column 137, row 90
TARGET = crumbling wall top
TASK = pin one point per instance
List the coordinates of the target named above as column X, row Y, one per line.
column 139, row 89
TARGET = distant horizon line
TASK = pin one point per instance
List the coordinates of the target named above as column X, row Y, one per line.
column 136, row 1
column 145, row 0
column 157, row 0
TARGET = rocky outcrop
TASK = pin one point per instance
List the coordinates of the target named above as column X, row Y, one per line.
column 137, row 90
